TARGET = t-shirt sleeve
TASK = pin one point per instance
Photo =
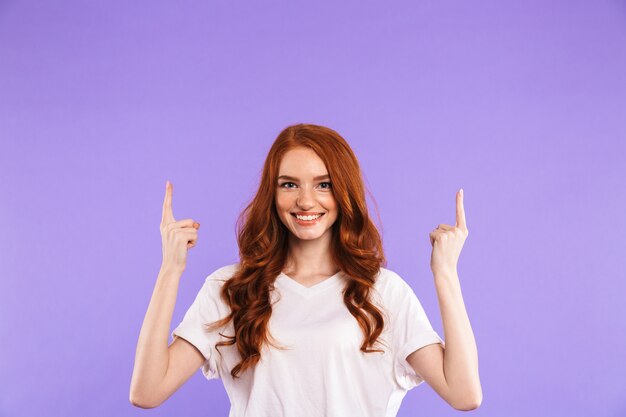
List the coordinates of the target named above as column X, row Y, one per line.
column 411, row 331
column 206, row 308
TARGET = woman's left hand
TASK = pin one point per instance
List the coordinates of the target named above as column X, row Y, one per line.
column 447, row 242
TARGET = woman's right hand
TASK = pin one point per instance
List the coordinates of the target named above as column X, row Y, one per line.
column 177, row 236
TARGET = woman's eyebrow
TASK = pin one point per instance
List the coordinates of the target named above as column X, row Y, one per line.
column 319, row 177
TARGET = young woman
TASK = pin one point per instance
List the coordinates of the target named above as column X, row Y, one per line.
column 309, row 322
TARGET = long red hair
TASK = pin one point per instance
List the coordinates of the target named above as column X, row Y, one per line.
column 263, row 245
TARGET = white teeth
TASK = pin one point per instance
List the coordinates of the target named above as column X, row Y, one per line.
column 307, row 217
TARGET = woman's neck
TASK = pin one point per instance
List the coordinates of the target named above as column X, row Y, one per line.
column 307, row 258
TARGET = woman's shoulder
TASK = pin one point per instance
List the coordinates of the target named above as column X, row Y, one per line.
column 223, row 274
column 390, row 282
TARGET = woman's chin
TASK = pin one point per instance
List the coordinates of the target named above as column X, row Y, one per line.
column 307, row 234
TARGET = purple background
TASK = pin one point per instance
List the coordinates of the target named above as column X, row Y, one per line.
column 521, row 103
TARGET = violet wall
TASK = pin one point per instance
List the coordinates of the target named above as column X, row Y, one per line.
column 521, row 103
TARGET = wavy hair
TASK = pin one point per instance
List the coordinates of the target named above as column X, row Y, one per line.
column 263, row 246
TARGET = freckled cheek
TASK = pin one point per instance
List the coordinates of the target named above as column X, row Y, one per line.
column 329, row 203
column 284, row 205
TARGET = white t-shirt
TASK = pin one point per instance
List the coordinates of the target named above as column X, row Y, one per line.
column 324, row 373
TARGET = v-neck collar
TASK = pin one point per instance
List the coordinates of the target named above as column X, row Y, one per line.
column 308, row 292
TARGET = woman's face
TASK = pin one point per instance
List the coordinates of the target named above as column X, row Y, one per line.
column 304, row 189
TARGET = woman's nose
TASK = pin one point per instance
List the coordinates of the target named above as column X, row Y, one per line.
column 305, row 199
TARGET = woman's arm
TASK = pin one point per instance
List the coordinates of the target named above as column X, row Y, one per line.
column 159, row 370
column 452, row 372
column 152, row 355
column 460, row 361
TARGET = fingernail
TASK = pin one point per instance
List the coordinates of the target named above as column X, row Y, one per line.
column 461, row 192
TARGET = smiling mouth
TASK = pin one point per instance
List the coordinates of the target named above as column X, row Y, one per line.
column 308, row 219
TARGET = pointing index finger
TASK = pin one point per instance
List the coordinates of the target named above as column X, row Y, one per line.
column 460, row 210
column 167, row 216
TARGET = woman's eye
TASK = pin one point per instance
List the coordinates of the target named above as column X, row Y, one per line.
column 323, row 185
